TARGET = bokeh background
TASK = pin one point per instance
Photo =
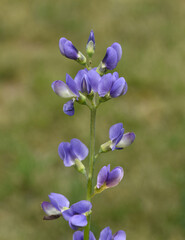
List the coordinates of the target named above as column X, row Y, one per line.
column 150, row 201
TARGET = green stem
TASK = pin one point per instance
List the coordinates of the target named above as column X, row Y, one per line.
column 91, row 167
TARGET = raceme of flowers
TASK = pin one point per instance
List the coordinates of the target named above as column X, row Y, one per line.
column 91, row 87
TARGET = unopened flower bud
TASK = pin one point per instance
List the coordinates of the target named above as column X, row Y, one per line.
column 68, row 108
column 90, row 47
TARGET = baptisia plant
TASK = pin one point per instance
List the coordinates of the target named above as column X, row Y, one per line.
column 89, row 87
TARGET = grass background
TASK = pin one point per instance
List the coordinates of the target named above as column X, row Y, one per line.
column 150, row 201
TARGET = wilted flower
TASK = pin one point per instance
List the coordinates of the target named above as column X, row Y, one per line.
column 69, row 152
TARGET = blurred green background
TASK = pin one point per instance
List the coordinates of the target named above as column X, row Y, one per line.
column 150, row 201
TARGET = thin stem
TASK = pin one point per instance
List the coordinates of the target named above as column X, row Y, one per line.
column 91, row 167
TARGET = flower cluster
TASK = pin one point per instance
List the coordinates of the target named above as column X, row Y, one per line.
column 88, row 81
column 106, row 234
column 59, row 206
column 90, row 87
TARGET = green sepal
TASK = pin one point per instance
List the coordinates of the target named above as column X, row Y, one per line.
column 81, row 58
column 101, row 69
column 80, row 167
column 90, row 47
column 99, row 190
column 82, row 99
column 106, row 147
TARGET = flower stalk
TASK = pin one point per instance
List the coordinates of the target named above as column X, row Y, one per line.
column 91, row 166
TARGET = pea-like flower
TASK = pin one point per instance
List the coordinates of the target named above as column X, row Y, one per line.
column 70, row 152
column 106, row 234
column 118, row 140
column 68, row 50
column 79, row 235
column 111, row 59
column 58, row 203
column 68, row 108
column 65, row 90
column 76, row 215
column 87, row 81
column 107, row 178
column 59, row 206
column 112, row 86
column 112, row 56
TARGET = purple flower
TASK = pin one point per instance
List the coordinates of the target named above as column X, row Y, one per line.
column 67, row 49
column 76, row 214
column 91, row 37
column 112, row 56
column 68, row 108
column 65, row 90
column 82, row 82
column 105, row 84
column 69, row 152
column 90, row 47
column 118, row 138
column 59, row 205
column 119, row 87
column 94, row 79
column 79, row 235
column 106, row 234
column 87, row 80
column 112, row 85
column 107, row 178
column 55, row 207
